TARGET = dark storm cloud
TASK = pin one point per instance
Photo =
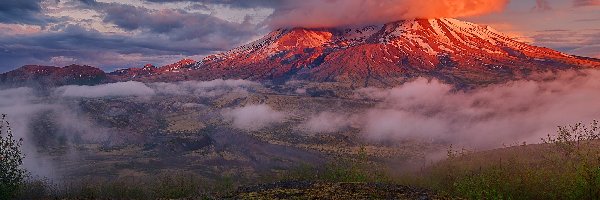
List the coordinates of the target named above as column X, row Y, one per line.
column 104, row 50
column 178, row 24
column 73, row 41
column 74, row 37
column 22, row 12
column 149, row 33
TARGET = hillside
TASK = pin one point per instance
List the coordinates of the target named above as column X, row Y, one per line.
column 54, row 76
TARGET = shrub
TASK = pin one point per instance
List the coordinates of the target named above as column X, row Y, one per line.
column 565, row 166
column 11, row 160
column 580, row 155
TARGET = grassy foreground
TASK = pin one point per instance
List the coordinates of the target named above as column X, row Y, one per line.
column 525, row 172
column 566, row 166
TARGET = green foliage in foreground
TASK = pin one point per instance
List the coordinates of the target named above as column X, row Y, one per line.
column 11, row 172
column 566, row 166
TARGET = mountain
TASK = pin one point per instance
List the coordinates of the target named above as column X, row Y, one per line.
column 457, row 52
column 451, row 50
column 54, row 76
column 149, row 71
column 87, row 75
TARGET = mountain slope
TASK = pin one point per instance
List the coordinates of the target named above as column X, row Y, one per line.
column 449, row 49
column 149, row 70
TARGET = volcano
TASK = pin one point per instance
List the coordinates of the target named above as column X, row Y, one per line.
column 451, row 50
column 457, row 52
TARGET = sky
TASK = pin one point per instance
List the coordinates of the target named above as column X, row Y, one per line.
column 113, row 34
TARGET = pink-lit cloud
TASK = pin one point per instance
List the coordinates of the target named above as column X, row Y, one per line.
column 520, row 111
column 586, row 2
column 19, row 29
column 542, row 5
column 332, row 13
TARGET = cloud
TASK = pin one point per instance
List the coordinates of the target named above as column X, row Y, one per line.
column 483, row 118
column 592, row 50
column 119, row 35
column 62, row 60
column 178, row 24
column 88, row 2
column 253, row 117
column 231, row 3
column 107, row 90
column 212, row 88
column 22, row 12
column 63, row 123
column 300, row 91
column 101, row 49
column 578, row 3
column 333, row 13
column 18, row 29
column 20, row 106
column 91, row 47
column 580, row 42
column 542, row 5
column 24, row 107
column 326, row 122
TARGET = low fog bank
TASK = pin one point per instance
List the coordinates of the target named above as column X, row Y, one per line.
column 490, row 117
column 132, row 88
column 253, row 117
column 27, row 108
column 326, row 122
column 120, row 89
column 428, row 110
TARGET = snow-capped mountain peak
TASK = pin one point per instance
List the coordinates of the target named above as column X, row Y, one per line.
column 381, row 54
